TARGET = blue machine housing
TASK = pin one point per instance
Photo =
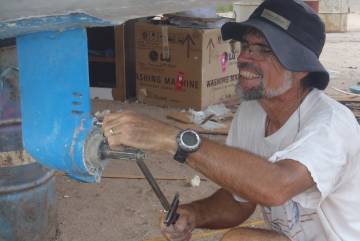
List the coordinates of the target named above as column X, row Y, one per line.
column 55, row 101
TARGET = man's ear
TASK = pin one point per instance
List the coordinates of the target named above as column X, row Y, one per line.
column 299, row 75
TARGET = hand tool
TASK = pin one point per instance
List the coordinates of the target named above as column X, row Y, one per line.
column 138, row 156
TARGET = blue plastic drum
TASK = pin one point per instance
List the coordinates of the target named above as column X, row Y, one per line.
column 27, row 203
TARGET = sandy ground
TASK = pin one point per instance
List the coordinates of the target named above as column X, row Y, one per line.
column 124, row 209
column 121, row 209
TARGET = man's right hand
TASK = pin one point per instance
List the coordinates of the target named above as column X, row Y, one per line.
column 139, row 131
column 181, row 230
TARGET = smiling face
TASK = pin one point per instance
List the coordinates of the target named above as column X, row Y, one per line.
column 260, row 73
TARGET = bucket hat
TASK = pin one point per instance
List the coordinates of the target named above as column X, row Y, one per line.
column 294, row 32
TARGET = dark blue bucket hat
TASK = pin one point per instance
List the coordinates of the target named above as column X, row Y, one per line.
column 294, row 32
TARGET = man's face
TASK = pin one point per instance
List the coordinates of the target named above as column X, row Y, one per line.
column 261, row 75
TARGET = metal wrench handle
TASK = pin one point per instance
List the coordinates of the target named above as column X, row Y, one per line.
column 138, row 155
column 172, row 216
column 127, row 154
column 151, row 180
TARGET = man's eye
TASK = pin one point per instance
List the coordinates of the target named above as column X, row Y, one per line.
column 266, row 50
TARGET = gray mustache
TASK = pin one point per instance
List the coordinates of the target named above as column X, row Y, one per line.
column 249, row 66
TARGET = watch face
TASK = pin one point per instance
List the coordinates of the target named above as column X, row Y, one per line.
column 189, row 139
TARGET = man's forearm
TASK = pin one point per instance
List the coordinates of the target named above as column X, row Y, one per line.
column 220, row 210
column 246, row 174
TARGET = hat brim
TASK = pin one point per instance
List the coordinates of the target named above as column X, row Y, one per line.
column 291, row 54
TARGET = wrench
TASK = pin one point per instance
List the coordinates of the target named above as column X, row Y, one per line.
column 138, row 156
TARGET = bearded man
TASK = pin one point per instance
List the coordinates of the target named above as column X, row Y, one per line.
column 291, row 149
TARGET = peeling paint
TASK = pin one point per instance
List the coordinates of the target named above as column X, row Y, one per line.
column 51, row 133
column 75, row 137
column 70, row 20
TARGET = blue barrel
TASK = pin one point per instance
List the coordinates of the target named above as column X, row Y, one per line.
column 27, row 203
column 27, row 192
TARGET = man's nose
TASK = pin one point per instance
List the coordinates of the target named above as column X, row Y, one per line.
column 244, row 57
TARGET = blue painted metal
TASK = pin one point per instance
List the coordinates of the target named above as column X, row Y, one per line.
column 55, row 102
column 27, row 203
column 18, row 27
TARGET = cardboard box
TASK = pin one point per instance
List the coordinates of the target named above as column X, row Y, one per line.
column 184, row 67
column 125, row 60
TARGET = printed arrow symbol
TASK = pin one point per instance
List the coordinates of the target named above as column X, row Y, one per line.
column 189, row 41
column 210, row 46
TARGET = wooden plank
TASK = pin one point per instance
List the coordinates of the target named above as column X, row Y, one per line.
column 184, row 121
column 183, row 117
column 346, row 98
column 218, row 131
column 350, row 101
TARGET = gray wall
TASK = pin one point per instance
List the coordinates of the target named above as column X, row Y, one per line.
column 355, row 6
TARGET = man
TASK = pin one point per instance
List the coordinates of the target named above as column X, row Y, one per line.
column 290, row 149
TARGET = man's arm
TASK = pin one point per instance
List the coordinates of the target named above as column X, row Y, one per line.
column 220, row 210
column 238, row 171
column 249, row 175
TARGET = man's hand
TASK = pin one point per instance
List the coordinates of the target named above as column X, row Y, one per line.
column 138, row 131
column 181, row 230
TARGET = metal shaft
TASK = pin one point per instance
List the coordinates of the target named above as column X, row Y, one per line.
column 138, row 155
column 151, row 180
column 127, row 154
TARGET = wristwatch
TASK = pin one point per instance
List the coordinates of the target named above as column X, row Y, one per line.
column 188, row 141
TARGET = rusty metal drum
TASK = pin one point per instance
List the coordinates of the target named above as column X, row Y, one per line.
column 27, row 203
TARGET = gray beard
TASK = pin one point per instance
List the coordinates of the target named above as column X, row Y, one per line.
column 252, row 94
column 260, row 92
column 283, row 88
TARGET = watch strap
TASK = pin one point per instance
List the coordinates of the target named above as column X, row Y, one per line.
column 181, row 155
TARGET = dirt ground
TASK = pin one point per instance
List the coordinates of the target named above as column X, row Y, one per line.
column 123, row 209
